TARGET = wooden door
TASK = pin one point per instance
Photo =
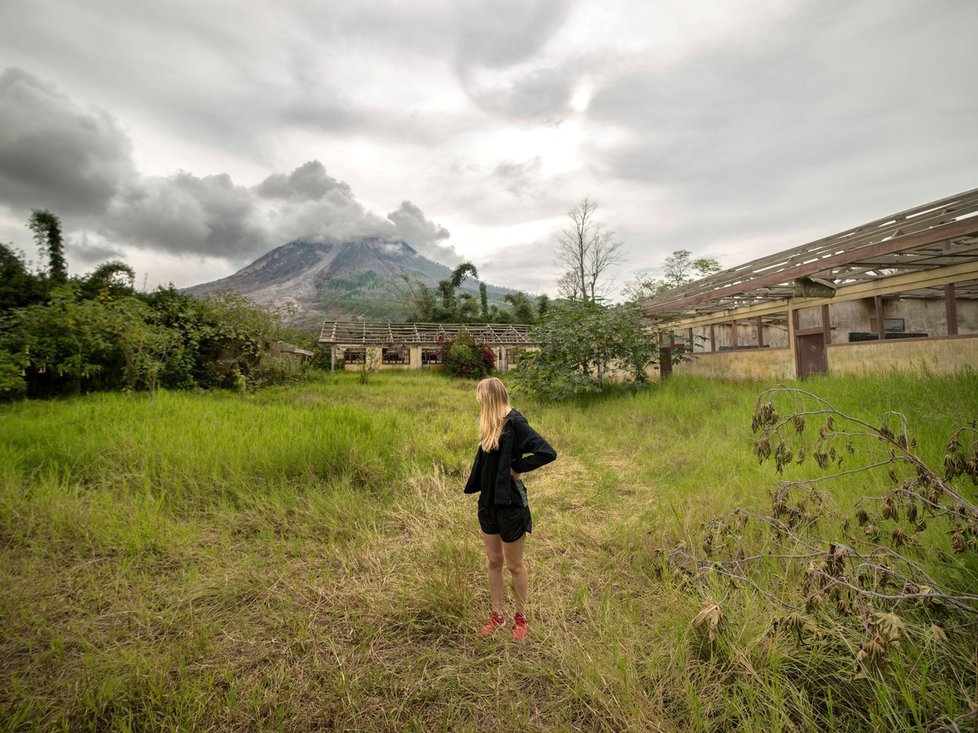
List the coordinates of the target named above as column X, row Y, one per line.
column 811, row 355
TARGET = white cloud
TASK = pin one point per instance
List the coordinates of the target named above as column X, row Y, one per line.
column 704, row 126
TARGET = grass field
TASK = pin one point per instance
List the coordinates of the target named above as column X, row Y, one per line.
column 303, row 558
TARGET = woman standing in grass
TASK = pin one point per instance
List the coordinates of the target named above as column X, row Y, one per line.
column 504, row 514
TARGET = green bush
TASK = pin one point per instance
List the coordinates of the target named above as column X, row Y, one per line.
column 464, row 356
column 584, row 347
column 12, row 382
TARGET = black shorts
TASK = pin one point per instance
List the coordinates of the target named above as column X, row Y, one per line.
column 509, row 522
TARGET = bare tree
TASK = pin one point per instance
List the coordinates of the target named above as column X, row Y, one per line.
column 587, row 250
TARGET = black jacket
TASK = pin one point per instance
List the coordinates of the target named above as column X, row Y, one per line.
column 516, row 440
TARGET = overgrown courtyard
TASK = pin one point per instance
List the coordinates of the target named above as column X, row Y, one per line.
column 302, row 558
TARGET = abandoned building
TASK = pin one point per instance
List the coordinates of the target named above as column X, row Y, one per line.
column 356, row 344
column 900, row 293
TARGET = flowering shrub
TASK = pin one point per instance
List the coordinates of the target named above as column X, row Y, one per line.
column 463, row 356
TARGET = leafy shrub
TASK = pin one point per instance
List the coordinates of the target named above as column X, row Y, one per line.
column 464, row 356
column 12, row 382
column 583, row 346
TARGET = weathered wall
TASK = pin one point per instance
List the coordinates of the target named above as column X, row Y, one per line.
column 920, row 315
column 941, row 356
column 767, row 363
column 775, row 335
column 375, row 353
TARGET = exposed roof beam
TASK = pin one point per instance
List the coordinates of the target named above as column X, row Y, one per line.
column 928, row 236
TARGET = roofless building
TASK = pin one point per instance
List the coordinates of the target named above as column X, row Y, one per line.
column 900, row 292
column 415, row 345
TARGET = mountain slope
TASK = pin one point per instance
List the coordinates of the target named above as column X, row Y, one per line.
column 361, row 277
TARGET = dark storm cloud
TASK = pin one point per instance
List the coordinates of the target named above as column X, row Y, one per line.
column 55, row 154
column 171, row 61
column 309, row 202
column 185, row 213
column 307, row 182
column 224, row 75
column 211, row 215
column 411, row 225
column 83, row 249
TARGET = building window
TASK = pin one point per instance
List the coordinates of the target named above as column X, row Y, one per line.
column 430, row 356
column 396, row 355
column 354, row 356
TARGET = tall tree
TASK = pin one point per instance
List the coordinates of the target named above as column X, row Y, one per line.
column 483, row 301
column 47, row 233
column 113, row 277
column 522, row 306
column 679, row 268
column 543, row 303
column 448, row 287
column 587, row 250
column 18, row 286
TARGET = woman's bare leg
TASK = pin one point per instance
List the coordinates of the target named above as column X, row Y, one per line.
column 513, row 553
column 494, row 554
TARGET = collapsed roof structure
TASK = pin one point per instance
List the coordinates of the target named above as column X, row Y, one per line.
column 928, row 253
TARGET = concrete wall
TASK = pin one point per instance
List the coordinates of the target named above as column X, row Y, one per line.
column 940, row 356
column 920, row 316
column 374, row 355
column 775, row 335
column 769, row 363
column 934, row 355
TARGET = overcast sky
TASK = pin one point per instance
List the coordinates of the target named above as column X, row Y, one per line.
column 190, row 137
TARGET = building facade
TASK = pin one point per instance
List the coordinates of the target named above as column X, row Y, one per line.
column 355, row 345
column 900, row 292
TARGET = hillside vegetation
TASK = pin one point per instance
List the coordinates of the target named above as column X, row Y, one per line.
column 303, row 558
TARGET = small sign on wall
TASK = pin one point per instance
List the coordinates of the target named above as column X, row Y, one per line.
column 890, row 325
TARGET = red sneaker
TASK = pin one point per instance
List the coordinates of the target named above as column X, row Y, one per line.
column 520, row 628
column 496, row 621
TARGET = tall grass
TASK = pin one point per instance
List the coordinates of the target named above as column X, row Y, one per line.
column 303, row 559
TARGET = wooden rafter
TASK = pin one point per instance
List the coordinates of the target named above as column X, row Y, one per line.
column 386, row 333
column 937, row 234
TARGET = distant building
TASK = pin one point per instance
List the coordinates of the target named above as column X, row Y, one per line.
column 897, row 293
column 415, row 345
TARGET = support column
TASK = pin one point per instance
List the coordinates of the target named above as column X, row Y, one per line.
column 734, row 342
column 793, row 339
column 880, row 326
column 951, row 308
column 826, row 326
column 665, row 357
column 760, row 332
column 713, row 337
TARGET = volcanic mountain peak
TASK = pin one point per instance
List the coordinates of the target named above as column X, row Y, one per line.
column 324, row 278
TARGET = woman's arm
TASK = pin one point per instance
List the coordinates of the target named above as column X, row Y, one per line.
column 474, row 484
column 528, row 440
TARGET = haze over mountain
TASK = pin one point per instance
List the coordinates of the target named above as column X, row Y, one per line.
column 327, row 279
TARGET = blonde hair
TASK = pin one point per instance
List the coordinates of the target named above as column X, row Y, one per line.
column 494, row 404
